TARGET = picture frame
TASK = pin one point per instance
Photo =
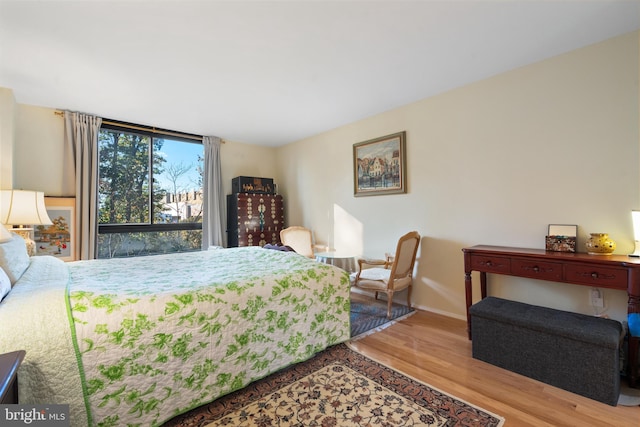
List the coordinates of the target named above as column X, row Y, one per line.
column 58, row 239
column 379, row 166
column 561, row 238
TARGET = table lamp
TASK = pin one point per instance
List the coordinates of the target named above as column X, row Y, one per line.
column 22, row 208
column 635, row 217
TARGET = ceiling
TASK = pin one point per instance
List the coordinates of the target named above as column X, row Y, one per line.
column 274, row 72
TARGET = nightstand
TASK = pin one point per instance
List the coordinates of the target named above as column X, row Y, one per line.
column 9, row 364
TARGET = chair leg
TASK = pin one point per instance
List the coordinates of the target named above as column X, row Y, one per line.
column 376, row 296
column 409, row 296
column 389, row 302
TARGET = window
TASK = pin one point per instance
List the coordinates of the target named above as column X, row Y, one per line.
column 149, row 191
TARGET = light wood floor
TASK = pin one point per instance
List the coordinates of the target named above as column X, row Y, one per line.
column 434, row 349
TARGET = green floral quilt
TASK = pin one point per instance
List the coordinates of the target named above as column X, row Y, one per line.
column 156, row 336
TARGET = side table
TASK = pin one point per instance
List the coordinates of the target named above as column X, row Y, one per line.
column 9, row 364
column 345, row 262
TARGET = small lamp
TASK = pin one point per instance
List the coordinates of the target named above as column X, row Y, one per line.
column 635, row 217
column 22, row 208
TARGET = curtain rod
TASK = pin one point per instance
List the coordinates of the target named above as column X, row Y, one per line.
column 148, row 129
column 152, row 130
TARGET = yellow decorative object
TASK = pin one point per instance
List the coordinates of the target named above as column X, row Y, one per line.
column 600, row 244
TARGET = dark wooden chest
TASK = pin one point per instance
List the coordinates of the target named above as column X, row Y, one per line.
column 254, row 219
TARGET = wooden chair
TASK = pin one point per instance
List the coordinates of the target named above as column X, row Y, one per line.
column 299, row 239
column 393, row 274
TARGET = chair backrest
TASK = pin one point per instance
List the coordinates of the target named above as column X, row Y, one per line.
column 405, row 256
column 299, row 238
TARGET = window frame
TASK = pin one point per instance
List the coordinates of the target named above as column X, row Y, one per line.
column 152, row 133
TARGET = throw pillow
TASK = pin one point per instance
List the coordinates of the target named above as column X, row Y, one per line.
column 5, row 235
column 14, row 259
column 5, row 284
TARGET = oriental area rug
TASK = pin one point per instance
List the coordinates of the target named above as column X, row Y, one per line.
column 369, row 315
column 337, row 387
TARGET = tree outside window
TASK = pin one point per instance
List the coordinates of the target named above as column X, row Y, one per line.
column 149, row 193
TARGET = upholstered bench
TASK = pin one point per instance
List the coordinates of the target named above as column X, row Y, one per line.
column 572, row 351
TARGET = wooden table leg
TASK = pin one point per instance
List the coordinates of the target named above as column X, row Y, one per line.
column 468, row 292
column 483, row 284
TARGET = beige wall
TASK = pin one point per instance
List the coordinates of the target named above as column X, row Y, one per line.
column 39, row 142
column 493, row 162
column 246, row 160
column 7, row 107
column 39, row 145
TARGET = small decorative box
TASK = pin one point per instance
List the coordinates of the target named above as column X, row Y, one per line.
column 560, row 243
column 250, row 184
column 561, row 238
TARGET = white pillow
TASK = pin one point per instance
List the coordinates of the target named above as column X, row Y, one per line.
column 5, row 284
column 376, row 273
column 14, row 259
column 5, row 235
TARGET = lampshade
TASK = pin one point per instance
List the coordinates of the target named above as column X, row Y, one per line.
column 21, row 207
column 635, row 218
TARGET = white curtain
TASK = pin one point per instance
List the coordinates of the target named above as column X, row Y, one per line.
column 212, row 220
column 81, row 157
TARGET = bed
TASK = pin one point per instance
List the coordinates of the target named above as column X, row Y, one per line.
column 141, row 340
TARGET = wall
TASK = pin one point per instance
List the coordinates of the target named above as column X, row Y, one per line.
column 246, row 160
column 494, row 162
column 38, row 150
column 7, row 107
column 39, row 141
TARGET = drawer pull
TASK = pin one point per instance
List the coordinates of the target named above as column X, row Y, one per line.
column 595, row 275
column 489, row 264
column 535, row 269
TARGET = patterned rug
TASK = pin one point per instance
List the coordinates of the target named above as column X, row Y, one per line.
column 369, row 315
column 337, row 387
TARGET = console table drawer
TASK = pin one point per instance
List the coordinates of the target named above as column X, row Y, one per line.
column 491, row 264
column 537, row 270
column 596, row 276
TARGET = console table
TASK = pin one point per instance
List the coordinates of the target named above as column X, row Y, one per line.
column 601, row 271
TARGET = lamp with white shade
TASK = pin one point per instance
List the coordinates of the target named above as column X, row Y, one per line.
column 635, row 218
column 21, row 209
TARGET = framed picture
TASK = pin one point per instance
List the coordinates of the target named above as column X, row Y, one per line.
column 57, row 239
column 379, row 166
column 561, row 238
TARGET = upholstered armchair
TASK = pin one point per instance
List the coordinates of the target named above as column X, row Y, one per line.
column 299, row 239
column 393, row 274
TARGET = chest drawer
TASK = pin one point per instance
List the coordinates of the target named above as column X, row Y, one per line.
column 537, row 269
column 491, row 264
column 605, row 277
column 259, row 238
